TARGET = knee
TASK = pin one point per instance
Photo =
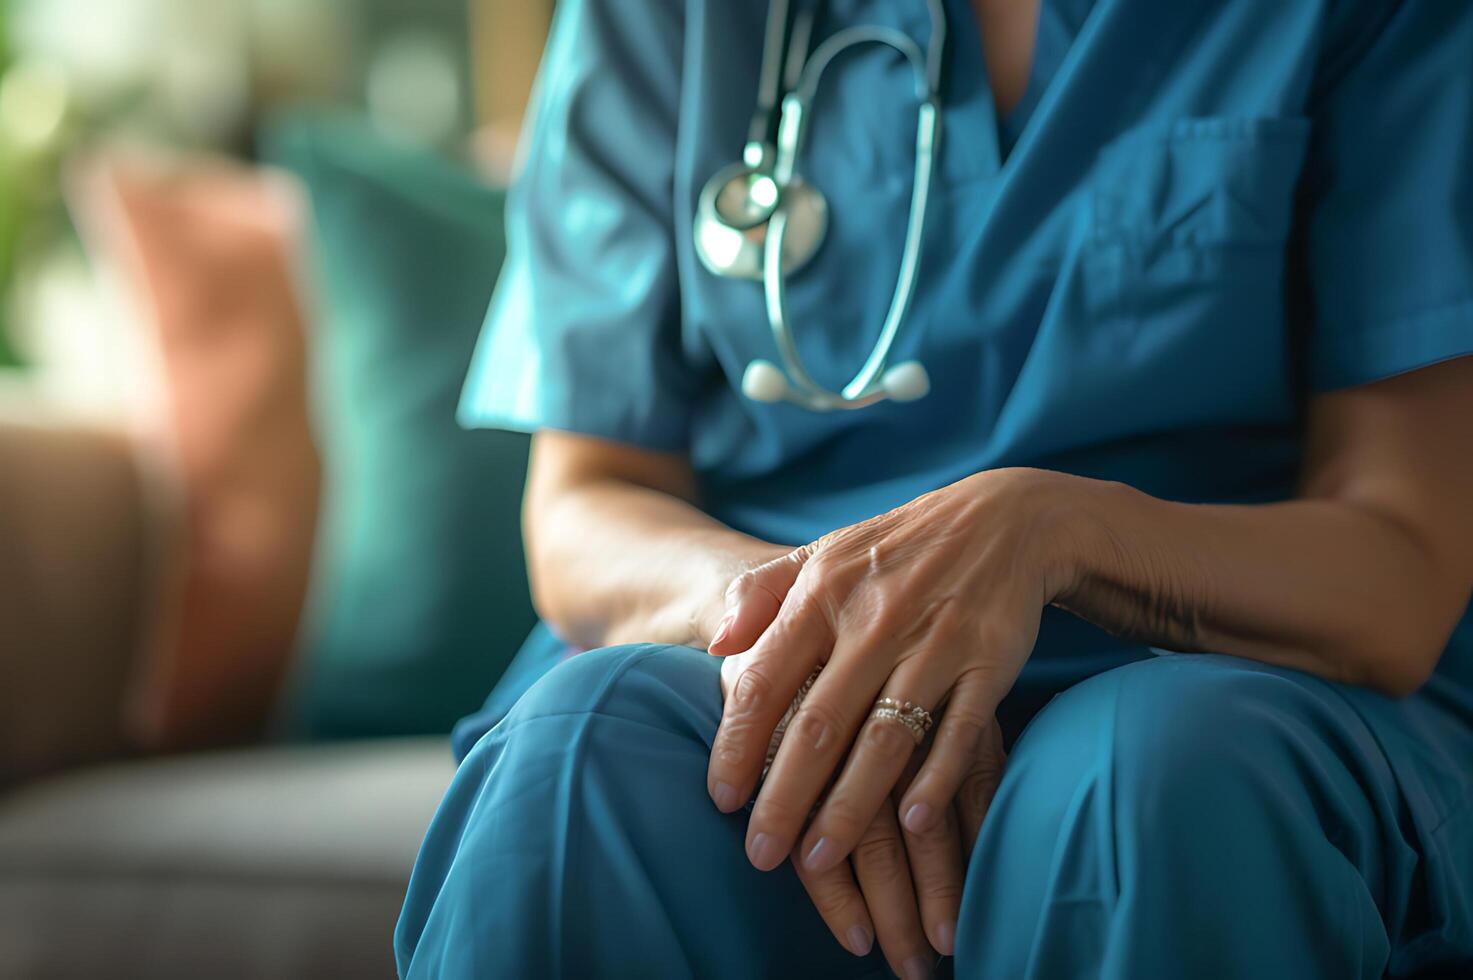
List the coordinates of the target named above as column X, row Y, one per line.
column 1209, row 738
column 1189, row 743
column 1186, row 796
column 656, row 685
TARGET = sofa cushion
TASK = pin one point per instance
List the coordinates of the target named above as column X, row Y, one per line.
column 279, row 863
column 419, row 596
column 76, row 571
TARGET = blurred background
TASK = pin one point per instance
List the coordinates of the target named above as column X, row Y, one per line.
column 442, row 73
column 251, row 570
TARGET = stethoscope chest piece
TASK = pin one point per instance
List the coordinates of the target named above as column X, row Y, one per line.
column 732, row 216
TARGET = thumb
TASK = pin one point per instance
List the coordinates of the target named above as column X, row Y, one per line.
column 753, row 600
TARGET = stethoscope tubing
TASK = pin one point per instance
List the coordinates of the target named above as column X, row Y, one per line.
column 862, row 389
column 776, row 138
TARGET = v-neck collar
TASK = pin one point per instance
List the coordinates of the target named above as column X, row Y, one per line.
column 1052, row 39
column 969, row 85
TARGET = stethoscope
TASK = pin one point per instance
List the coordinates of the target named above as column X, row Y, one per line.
column 758, row 219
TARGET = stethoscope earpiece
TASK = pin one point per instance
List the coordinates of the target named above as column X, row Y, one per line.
column 764, row 381
column 758, row 220
column 906, row 382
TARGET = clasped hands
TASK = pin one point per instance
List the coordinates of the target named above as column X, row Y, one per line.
column 937, row 602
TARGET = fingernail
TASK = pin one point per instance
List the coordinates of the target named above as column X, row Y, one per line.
column 946, row 932
column 860, row 941
column 821, row 855
column 918, row 818
column 726, row 798
column 723, row 629
column 766, row 853
column 917, row 968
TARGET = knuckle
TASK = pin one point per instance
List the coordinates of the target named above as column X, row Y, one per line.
column 842, row 820
column 880, row 859
column 817, row 724
column 826, row 574
column 753, row 691
column 820, row 595
column 740, row 586
column 735, row 744
column 887, row 738
column 820, row 566
column 977, row 792
column 729, row 752
column 990, row 765
column 988, row 761
column 967, row 730
column 776, row 812
column 830, row 892
column 939, row 890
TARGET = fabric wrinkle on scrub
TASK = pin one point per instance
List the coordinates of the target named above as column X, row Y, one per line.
column 578, row 840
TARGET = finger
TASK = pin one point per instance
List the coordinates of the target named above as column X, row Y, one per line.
column 883, row 870
column 781, row 662
column 963, row 732
column 814, row 746
column 836, row 895
column 753, row 600
column 938, row 868
column 880, row 753
column 979, row 786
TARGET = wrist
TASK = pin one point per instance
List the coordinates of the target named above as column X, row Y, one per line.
column 706, row 601
column 1065, row 520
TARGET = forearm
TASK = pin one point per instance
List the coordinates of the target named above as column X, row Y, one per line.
column 614, row 562
column 1323, row 585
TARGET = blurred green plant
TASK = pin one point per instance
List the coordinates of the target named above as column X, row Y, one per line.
column 39, row 121
column 11, row 216
column 178, row 73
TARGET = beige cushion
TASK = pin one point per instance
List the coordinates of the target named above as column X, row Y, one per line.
column 271, row 863
column 75, row 562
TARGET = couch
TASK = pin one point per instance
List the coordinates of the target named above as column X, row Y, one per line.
column 274, row 839
column 275, row 860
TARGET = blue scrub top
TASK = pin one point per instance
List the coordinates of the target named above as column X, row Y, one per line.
column 1200, row 214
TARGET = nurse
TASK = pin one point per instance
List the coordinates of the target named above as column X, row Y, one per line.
column 1139, row 646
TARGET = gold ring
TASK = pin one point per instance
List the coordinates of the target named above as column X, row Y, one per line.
column 915, row 718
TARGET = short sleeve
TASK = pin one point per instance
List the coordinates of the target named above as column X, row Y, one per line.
column 1390, row 190
column 583, row 331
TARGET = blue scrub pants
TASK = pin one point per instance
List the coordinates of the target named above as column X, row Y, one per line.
column 1179, row 816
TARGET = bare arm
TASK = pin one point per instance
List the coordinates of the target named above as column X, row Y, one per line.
column 617, row 549
column 1360, row 580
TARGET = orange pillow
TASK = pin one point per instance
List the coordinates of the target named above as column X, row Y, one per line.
column 206, row 249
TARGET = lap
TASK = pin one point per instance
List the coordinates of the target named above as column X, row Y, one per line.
column 592, row 790
column 578, row 840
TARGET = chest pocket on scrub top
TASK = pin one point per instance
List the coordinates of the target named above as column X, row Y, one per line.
column 1187, row 224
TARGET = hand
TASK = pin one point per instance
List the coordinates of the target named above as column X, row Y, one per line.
column 936, row 601
column 908, row 885
column 902, row 886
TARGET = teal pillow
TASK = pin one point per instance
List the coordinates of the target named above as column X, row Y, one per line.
column 419, row 596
